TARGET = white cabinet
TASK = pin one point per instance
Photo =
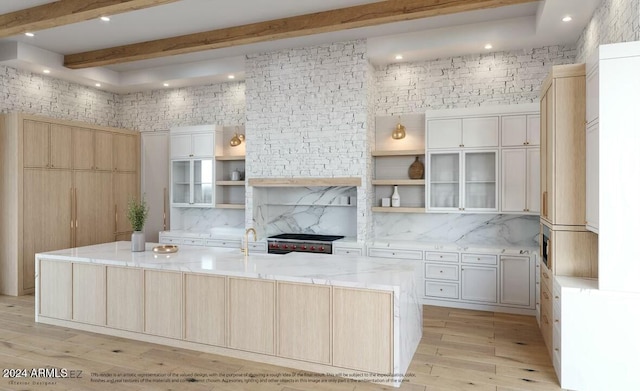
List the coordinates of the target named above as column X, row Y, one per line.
column 520, row 180
column 192, row 183
column 515, row 280
column 519, row 130
column 593, row 180
column 463, row 180
column 479, row 283
column 470, row 132
column 185, row 144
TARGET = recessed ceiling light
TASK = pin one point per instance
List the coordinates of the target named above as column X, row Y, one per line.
column 98, row 84
column 28, row 34
column 488, row 46
column 105, row 18
column 166, row 84
column 567, row 19
column 399, row 57
column 46, row 71
column 231, row 76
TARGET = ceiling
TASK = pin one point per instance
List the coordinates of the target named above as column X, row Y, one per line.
column 527, row 25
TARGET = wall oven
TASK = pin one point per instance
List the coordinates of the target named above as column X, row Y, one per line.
column 545, row 246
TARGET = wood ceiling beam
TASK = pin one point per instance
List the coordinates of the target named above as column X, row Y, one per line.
column 296, row 26
column 64, row 12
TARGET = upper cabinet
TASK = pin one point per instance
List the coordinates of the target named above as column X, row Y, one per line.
column 126, row 152
column 562, row 148
column 192, row 141
column 47, row 145
column 472, row 132
column 520, row 130
column 474, row 165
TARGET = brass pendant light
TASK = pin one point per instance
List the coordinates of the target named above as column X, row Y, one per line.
column 237, row 139
column 399, row 131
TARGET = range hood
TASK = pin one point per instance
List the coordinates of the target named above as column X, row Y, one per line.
column 304, row 182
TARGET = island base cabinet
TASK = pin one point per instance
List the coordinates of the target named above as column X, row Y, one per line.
column 251, row 305
column 89, row 294
column 363, row 330
column 125, row 298
column 205, row 320
column 163, row 303
column 304, row 322
column 55, row 289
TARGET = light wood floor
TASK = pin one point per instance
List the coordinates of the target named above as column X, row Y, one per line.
column 460, row 350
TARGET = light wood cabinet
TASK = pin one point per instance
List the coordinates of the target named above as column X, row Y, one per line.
column 363, row 330
column 515, row 280
column 126, row 152
column 46, row 218
column 205, row 320
column 163, row 303
column 563, row 146
column 55, row 289
column 125, row 308
column 520, row 180
column 47, row 145
column 125, row 187
column 89, row 293
column 57, row 191
column 251, row 314
column 304, row 322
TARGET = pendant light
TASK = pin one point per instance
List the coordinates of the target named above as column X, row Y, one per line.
column 237, row 139
column 399, row 131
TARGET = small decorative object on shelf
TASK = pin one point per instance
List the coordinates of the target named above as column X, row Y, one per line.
column 395, row 198
column 399, row 131
column 386, row 202
column 416, row 169
column 137, row 212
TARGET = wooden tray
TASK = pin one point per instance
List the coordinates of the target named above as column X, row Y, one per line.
column 165, row 249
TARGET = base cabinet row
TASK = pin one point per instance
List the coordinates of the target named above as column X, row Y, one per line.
column 343, row 327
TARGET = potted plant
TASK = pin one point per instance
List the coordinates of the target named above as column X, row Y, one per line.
column 137, row 212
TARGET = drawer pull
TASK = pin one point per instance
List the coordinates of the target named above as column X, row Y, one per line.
column 440, row 289
column 557, row 297
column 557, row 321
column 556, row 349
column 440, row 271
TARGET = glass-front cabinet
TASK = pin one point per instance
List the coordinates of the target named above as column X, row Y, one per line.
column 463, row 181
column 192, row 183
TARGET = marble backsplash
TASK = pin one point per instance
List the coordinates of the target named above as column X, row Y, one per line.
column 204, row 219
column 462, row 229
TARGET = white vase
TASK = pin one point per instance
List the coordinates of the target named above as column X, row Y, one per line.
column 137, row 241
column 395, row 198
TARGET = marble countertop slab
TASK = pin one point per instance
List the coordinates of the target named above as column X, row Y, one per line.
column 348, row 271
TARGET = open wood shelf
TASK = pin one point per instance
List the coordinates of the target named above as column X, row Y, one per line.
column 225, row 157
column 387, row 209
column 230, row 206
column 407, row 152
column 229, row 183
column 399, row 182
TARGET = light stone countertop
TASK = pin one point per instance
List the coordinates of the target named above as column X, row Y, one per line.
column 325, row 269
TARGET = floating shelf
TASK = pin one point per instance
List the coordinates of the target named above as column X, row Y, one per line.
column 229, row 183
column 387, row 209
column 408, row 152
column 225, row 157
column 399, row 182
column 230, row 206
column 306, row 182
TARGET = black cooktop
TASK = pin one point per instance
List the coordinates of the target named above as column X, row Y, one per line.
column 319, row 238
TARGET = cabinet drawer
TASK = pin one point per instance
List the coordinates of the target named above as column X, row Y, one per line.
column 441, row 272
column 166, row 240
column 193, row 242
column 442, row 257
column 400, row 254
column 545, row 276
column 257, row 247
column 347, row 251
column 441, row 289
column 223, row 243
column 480, row 258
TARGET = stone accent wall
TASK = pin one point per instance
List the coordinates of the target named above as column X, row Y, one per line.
column 499, row 78
column 614, row 21
column 31, row 93
column 222, row 104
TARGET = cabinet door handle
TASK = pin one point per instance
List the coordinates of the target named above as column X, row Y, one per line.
column 75, row 192
column 164, row 209
column 71, row 217
column 115, row 227
column 544, row 204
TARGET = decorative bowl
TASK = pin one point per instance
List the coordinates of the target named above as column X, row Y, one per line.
column 165, row 249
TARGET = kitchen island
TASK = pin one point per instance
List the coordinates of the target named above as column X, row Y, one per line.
column 355, row 317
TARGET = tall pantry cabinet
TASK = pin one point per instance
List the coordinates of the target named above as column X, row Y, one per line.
column 64, row 184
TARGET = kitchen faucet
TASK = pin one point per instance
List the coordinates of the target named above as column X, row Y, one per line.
column 245, row 250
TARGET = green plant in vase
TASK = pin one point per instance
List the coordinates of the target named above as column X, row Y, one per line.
column 137, row 213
